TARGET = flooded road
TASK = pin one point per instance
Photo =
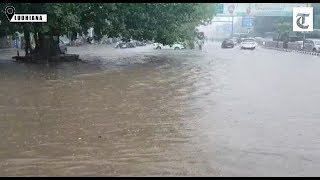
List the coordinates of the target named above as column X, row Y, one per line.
column 144, row 112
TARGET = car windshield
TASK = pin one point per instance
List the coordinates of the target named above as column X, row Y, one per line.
column 248, row 40
column 317, row 42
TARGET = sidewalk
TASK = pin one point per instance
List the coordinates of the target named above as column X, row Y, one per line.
column 8, row 53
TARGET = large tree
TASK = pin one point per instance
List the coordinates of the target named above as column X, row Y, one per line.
column 162, row 22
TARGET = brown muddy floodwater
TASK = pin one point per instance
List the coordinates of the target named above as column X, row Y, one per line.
column 143, row 112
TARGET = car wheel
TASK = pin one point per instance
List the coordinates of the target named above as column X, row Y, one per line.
column 176, row 48
column 158, row 47
column 65, row 51
column 314, row 50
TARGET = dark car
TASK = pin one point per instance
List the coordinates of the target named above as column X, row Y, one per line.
column 227, row 43
column 140, row 43
column 123, row 45
column 131, row 45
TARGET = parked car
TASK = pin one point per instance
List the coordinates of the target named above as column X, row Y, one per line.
column 140, row 43
column 227, row 43
column 260, row 40
column 312, row 45
column 248, row 43
column 175, row 46
column 131, row 45
column 63, row 47
column 123, row 45
column 235, row 40
column 240, row 37
column 65, row 40
column 301, row 44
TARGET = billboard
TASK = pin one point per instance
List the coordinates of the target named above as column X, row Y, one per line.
column 258, row 9
column 247, row 22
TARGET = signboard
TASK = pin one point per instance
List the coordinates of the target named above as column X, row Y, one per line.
column 231, row 8
column 260, row 9
column 247, row 22
column 227, row 27
column 219, row 8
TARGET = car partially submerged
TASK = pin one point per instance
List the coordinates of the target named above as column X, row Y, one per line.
column 175, row 46
column 123, row 45
column 312, row 45
column 227, row 43
column 248, row 43
column 140, row 43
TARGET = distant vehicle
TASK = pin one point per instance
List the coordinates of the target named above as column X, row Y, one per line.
column 240, row 36
column 62, row 47
column 131, row 45
column 124, row 45
column 90, row 40
column 260, row 40
column 301, row 44
column 235, row 40
column 312, row 45
column 176, row 46
column 140, row 43
column 65, row 40
column 248, row 43
column 121, row 45
column 105, row 40
column 227, row 43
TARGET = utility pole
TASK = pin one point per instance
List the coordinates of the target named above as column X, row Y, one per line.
column 232, row 26
column 304, row 33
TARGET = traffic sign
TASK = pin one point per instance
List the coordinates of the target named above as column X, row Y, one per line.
column 247, row 22
column 259, row 9
column 219, row 8
column 231, row 8
column 227, row 27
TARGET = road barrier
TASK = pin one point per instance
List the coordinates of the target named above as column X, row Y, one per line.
column 271, row 45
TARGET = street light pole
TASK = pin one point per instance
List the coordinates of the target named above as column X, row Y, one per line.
column 304, row 33
column 232, row 26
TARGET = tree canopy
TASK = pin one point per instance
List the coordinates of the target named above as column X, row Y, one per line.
column 162, row 22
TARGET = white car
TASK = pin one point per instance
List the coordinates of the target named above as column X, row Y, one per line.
column 312, row 45
column 176, row 46
column 248, row 43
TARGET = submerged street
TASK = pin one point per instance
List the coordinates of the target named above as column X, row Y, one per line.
column 146, row 112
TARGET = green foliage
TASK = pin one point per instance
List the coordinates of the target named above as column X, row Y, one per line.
column 272, row 24
column 163, row 22
column 316, row 15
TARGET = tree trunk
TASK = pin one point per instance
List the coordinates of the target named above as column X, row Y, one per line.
column 47, row 46
column 27, row 40
column 36, row 39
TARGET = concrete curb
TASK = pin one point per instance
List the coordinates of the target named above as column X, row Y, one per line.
column 291, row 50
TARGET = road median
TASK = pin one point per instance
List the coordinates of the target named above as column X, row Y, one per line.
column 292, row 50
